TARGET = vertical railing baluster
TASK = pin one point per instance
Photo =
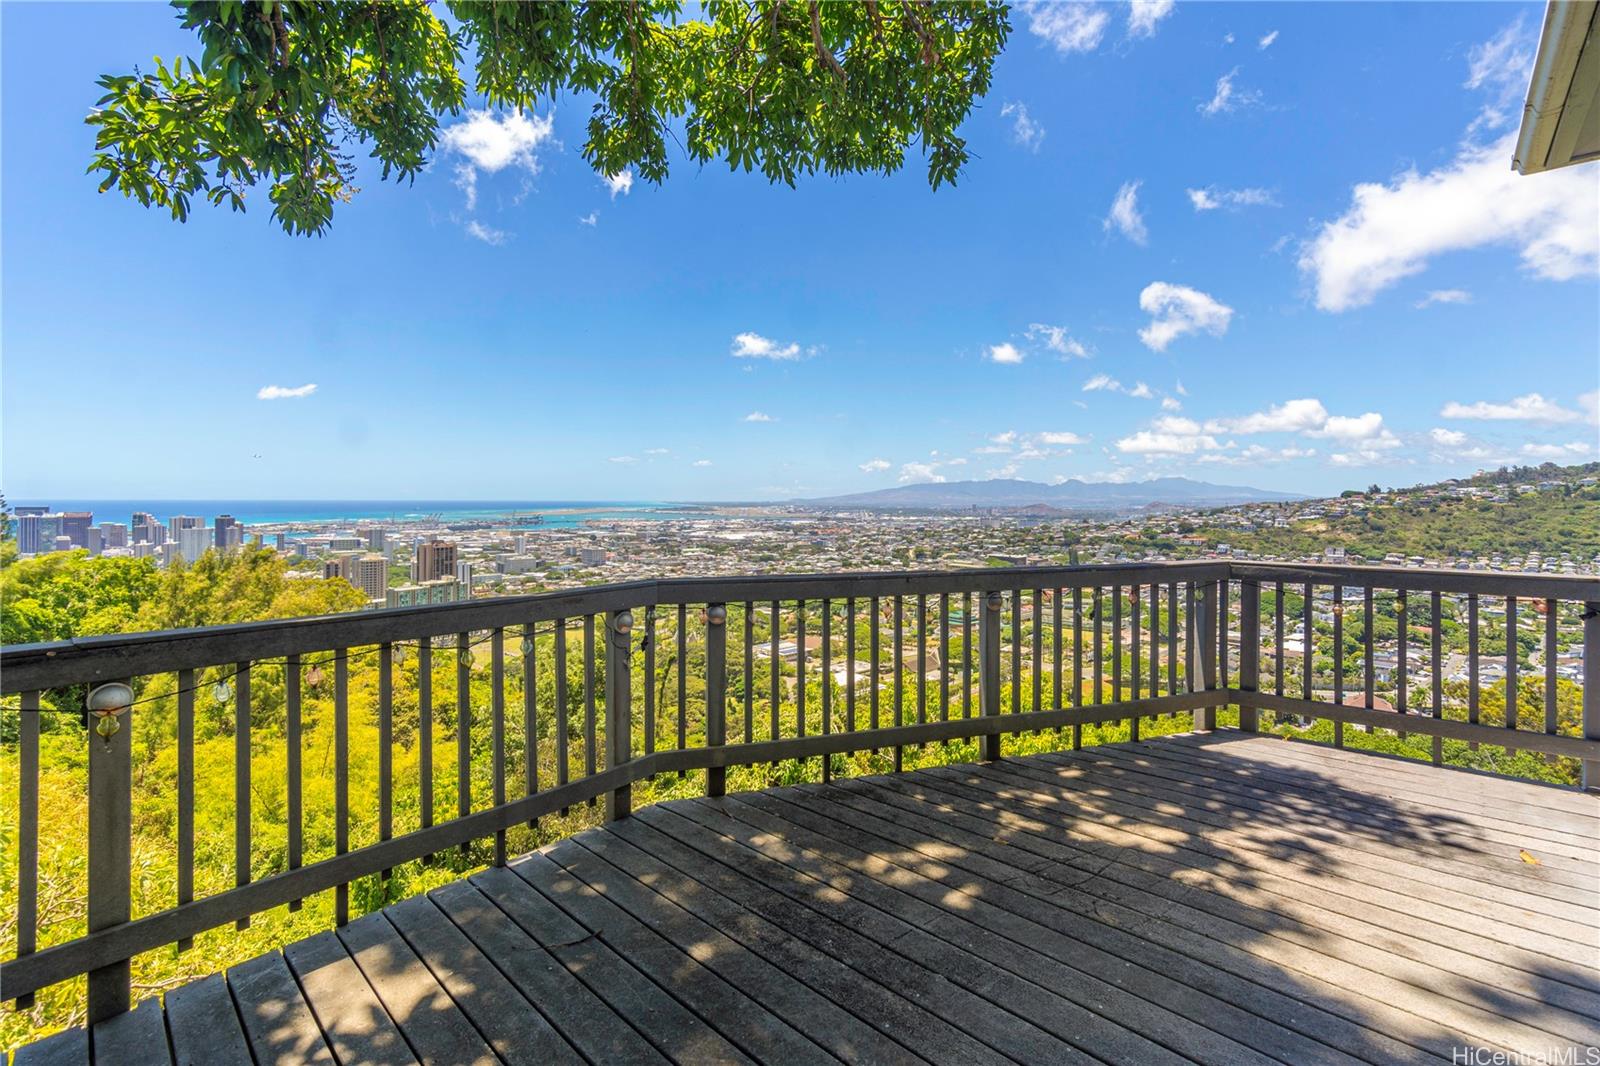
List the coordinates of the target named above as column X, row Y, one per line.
column 241, row 783
column 875, row 635
column 1036, row 665
column 1369, row 681
column 1223, row 589
column 1591, row 690
column 922, row 660
column 1437, row 655
column 464, row 728
column 497, row 731
column 966, row 654
column 1277, row 638
column 1077, row 662
column 1207, row 624
column 1095, row 612
column 1249, row 652
column 590, row 752
column 850, row 664
column 1191, row 658
column 530, row 714
column 827, row 684
column 1016, row 651
column 385, row 746
column 650, row 679
column 899, row 675
column 1309, row 648
column 1513, row 711
column 944, row 658
column 186, row 781
column 1172, row 639
column 341, row 778
column 619, row 707
column 1155, row 638
column 1402, row 686
column 716, row 693
column 1472, row 663
column 775, row 687
column 683, row 678
column 800, row 668
column 1136, row 663
column 28, row 831
column 989, row 673
column 1116, row 643
column 1338, row 656
column 110, row 859
column 1550, row 609
column 563, row 720
column 424, row 735
column 749, row 673
column 1055, row 638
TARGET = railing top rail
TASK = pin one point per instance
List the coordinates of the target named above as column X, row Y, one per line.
column 29, row 667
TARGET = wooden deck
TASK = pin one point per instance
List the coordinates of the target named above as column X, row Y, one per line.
column 1219, row 898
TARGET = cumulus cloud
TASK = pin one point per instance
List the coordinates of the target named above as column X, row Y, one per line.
column 1228, row 97
column 1124, row 216
column 701, row 463
column 1057, row 339
column 1391, row 231
column 1574, row 450
column 284, row 392
column 1005, row 353
column 490, row 143
column 1266, row 40
column 1024, row 130
column 1444, row 296
column 920, row 472
column 1061, row 438
column 759, row 416
column 1176, row 310
column 1145, row 15
column 1169, row 436
column 875, row 466
column 1530, row 408
column 618, row 184
column 1293, row 416
column 755, row 346
column 1211, row 198
column 1068, row 27
column 1447, row 438
column 1365, row 437
column 1107, row 383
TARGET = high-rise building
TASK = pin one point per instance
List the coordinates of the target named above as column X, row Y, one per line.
column 20, row 511
column 115, row 534
column 30, row 533
column 377, row 539
column 370, row 574
column 280, row 541
column 94, row 540
column 63, row 543
column 180, row 522
column 464, row 573
column 75, row 526
column 423, row 593
column 193, row 541
column 225, row 531
column 434, row 559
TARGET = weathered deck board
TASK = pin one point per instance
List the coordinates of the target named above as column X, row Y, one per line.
column 1216, row 898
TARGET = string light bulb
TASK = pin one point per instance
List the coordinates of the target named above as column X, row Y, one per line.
column 222, row 691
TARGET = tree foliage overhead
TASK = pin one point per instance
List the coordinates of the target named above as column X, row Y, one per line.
column 285, row 93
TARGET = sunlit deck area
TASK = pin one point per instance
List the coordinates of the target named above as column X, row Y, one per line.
column 1209, row 896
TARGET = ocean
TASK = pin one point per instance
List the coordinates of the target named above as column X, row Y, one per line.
column 555, row 514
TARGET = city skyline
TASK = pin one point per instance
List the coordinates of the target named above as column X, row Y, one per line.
column 1166, row 258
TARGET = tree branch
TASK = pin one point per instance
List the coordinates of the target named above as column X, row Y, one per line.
column 823, row 53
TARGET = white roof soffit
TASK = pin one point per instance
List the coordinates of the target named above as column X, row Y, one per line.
column 1561, row 119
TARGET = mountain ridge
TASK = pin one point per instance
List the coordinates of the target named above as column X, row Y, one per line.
column 1069, row 495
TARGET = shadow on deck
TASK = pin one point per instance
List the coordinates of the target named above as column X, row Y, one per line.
column 1212, row 897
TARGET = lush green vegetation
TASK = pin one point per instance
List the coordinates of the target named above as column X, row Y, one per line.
column 283, row 90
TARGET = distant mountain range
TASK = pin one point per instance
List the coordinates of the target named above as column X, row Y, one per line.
column 1013, row 494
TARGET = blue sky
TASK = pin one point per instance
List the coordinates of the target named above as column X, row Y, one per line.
column 1277, row 245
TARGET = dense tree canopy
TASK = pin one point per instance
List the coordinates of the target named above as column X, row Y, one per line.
column 284, row 93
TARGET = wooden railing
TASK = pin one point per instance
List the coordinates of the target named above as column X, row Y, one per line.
column 1016, row 650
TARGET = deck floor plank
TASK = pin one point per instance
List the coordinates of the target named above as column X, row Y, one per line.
column 137, row 1038
column 1207, row 897
column 203, row 1024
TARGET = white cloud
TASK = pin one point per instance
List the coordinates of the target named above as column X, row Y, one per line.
column 1141, row 391
column 1530, row 408
column 1125, row 217
column 755, row 346
column 701, row 463
column 1590, row 402
column 619, row 184
column 759, row 416
column 1227, row 98
column 1352, row 429
column 1502, row 59
column 591, row 219
column 1176, row 310
column 1210, row 198
column 1009, row 437
column 283, row 392
column 658, row 451
column 1293, row 416
column 1365, row 436
column 1391, row 231
column 1256, row 455
column 1005, row 353
column 1445, row 296
column 1061, row 438
column 1266, row 41
column 622, row 459
column 491, row 143
column 1024, row 130
column 920, row 472
column 1057, row 340
column 1228, row 38
column 1447, row 438
column 1575, row 450
column 1069, row 27
column 486, row 234
column 875, row 466
column 1169, row 436
column 1143, row 16
column 1170, row 403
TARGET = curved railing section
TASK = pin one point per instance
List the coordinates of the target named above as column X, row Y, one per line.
column 510, row 710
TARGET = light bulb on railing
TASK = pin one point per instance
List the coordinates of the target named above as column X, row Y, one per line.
column 398, row 654
column 314, row 675
column 222, row 692
column 527, row 646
